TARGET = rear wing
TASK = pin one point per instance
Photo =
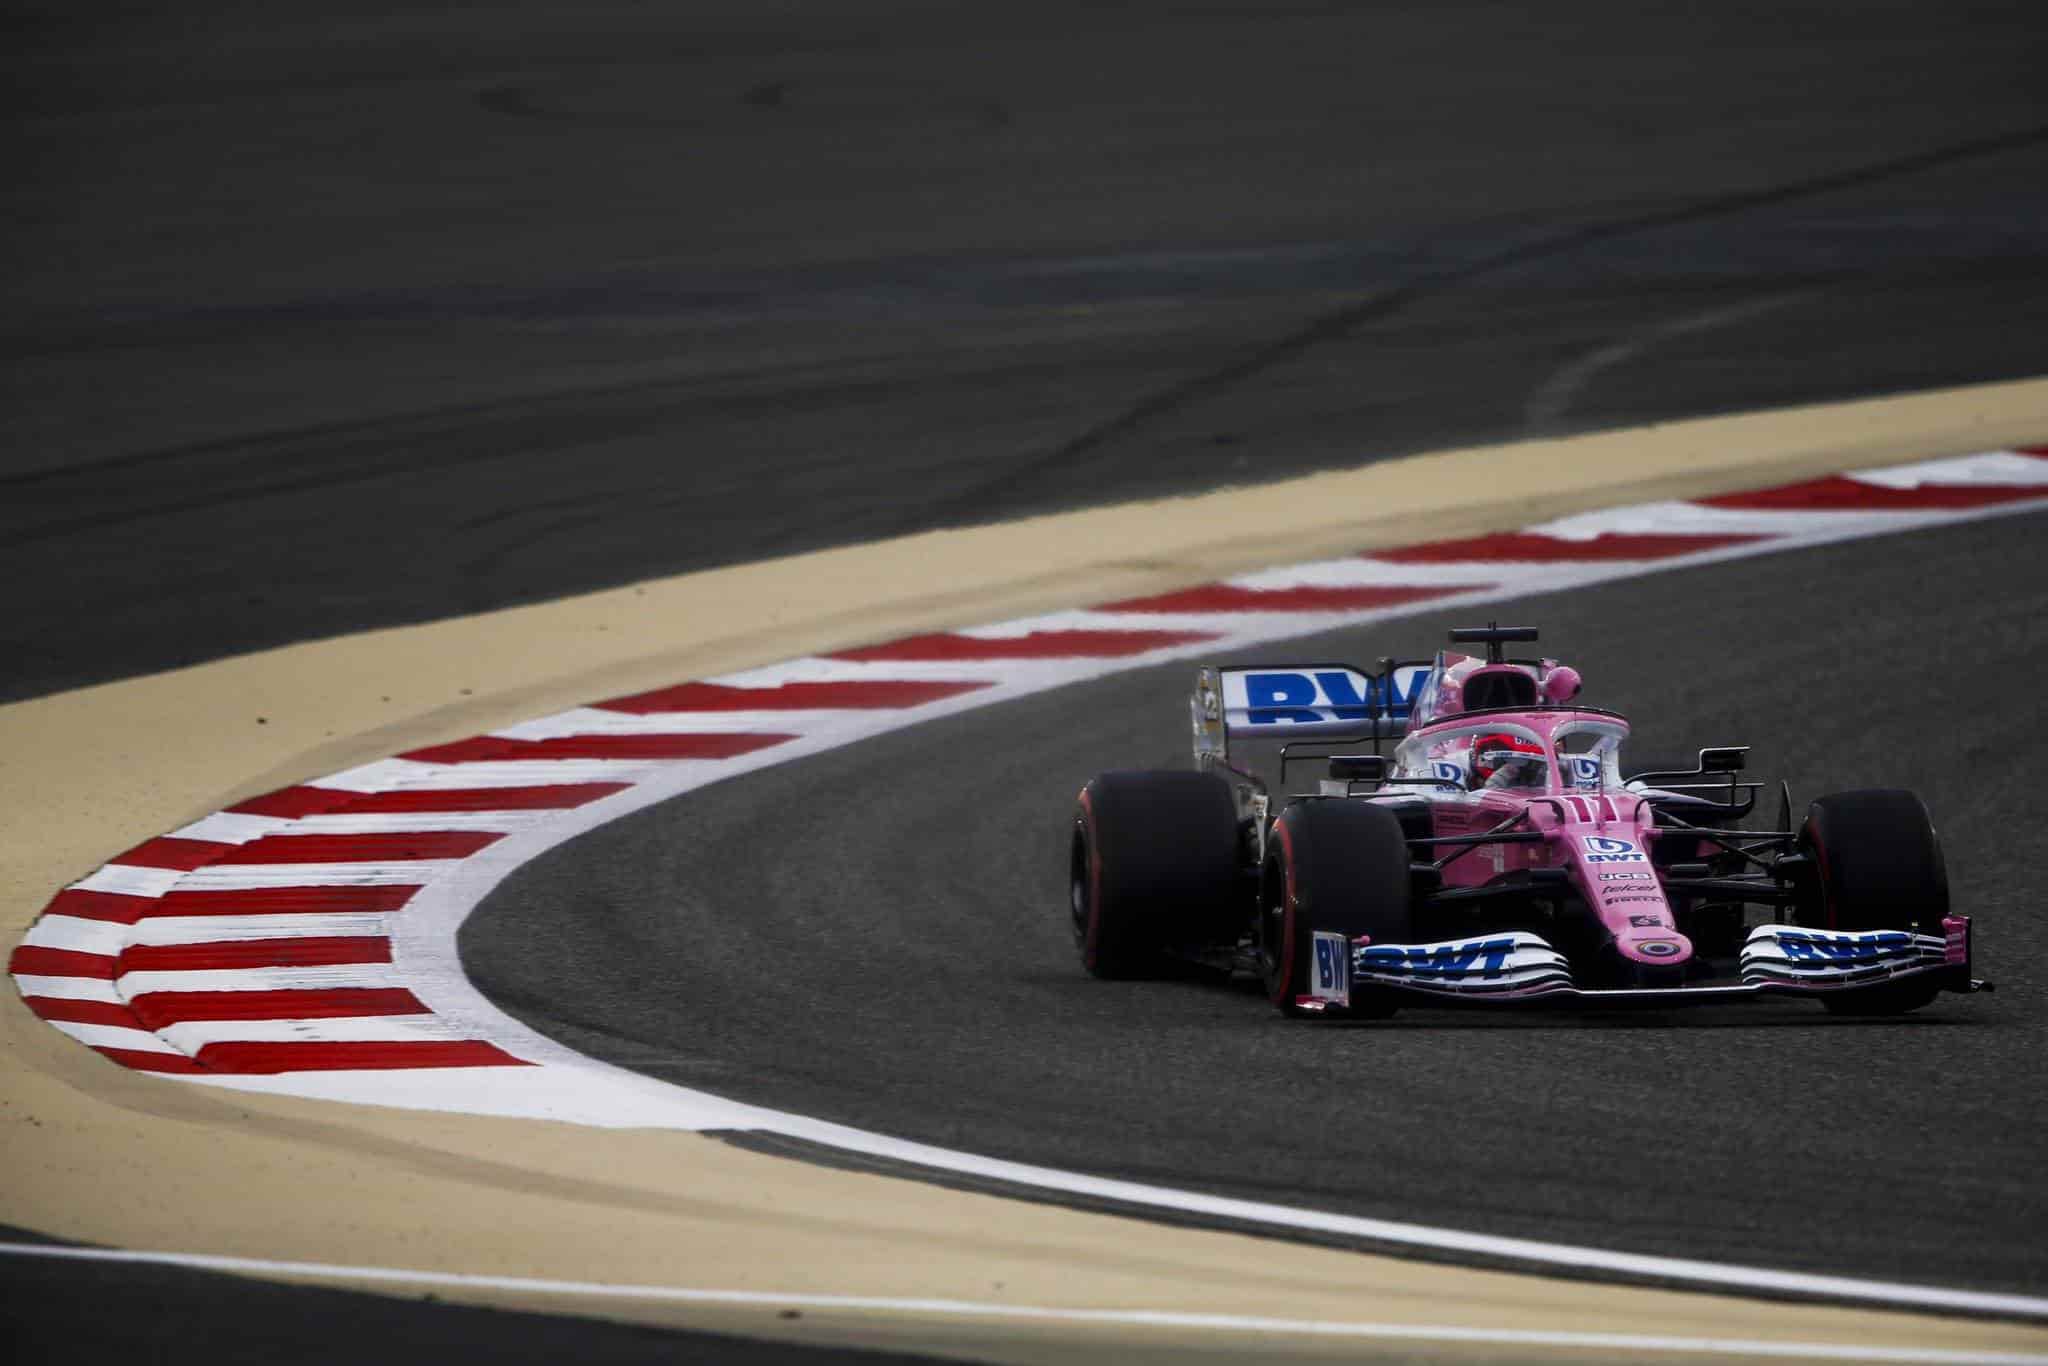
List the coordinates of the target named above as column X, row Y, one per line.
column 1300, row 702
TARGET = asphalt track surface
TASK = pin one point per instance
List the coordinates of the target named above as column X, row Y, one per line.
column 329, row 316
column 878, row 936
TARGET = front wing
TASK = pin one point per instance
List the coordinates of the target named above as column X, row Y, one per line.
column 1521, row 968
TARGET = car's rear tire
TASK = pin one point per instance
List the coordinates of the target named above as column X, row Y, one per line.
column 1877, row 865
column 1331, row 865
column 1153, row 862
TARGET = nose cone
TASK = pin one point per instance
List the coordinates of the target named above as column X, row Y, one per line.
column 1653, row 946
column 1622, row 889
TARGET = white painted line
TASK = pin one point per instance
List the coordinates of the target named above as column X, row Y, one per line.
column 1362, row 571
column 1017, row 628
column 1697, row 519
column 323, row 978
column 406, row 822
column 68, row 988
column 1623, row 1343
column 597, row 721
column 127, row 880
column 410, row 775
column 219, row 929
column 818, row 669
column 229, row 827
column 242, row 877
column 193, row 1035
column 112, row 1036
column 1991, row 467
column 76, row 933
column 1282, row 624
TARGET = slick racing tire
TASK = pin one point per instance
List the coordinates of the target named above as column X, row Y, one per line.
column 1331, row 865
column 1154, row 863
column 1877, row 866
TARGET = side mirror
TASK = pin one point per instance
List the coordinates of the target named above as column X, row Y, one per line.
column 1358, row 768
column 1725, row 759
column 1561, row 684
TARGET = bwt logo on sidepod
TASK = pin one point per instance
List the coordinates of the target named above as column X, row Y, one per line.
column 1605, row 849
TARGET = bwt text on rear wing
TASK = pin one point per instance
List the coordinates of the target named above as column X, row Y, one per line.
column 1300, row 702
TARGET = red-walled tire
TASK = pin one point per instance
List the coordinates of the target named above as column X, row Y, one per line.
column 1877, row 866
column 1332, row 865
column 1153, row 863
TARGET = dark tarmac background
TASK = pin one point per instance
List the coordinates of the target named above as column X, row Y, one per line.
column 322, row 317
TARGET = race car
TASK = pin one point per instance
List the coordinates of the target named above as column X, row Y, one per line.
column 1497, row 856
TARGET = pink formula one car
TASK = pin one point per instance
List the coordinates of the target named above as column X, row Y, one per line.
column 1497, row 855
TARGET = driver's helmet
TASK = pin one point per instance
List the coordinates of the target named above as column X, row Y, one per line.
column 1504, row 760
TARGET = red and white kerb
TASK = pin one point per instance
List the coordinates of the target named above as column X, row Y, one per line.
column 259, row 942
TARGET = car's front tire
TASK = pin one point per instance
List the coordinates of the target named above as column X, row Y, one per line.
column 1153, row 862
column 1337, row 866
column 1877, row 865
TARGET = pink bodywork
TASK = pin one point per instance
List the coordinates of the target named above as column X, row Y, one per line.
column 1603, row 838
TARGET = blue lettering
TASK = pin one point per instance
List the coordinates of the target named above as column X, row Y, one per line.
column 1327, row 966
column 1271, row 698
column 1497, row 951
column 1448, row 961
column 1828, row 949
column 1345, row 701
column 1398, row 700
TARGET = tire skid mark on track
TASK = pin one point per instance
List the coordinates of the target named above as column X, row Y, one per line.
column 303, row 942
